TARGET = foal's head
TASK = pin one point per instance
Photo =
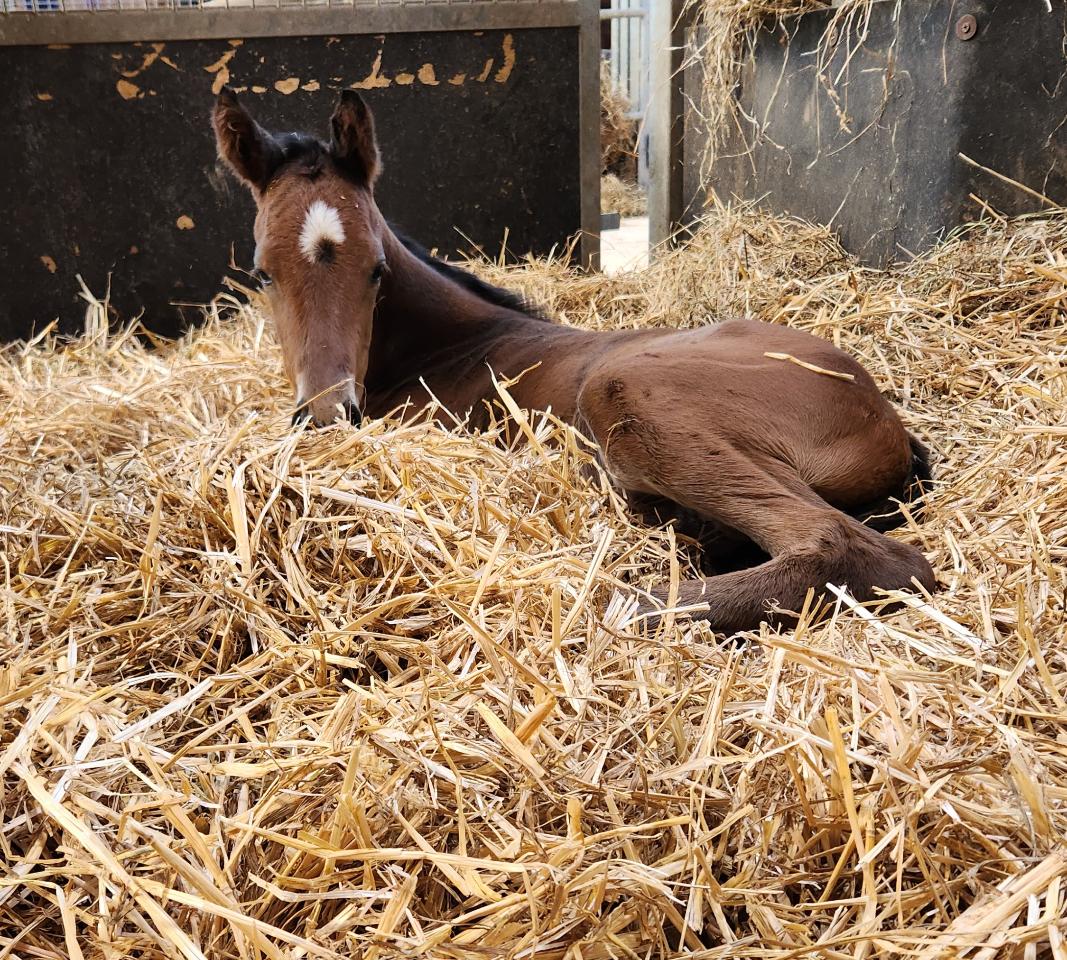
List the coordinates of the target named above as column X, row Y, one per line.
column 319, row 253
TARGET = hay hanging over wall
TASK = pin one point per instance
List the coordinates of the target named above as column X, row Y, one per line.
column 378, row 692
column 721, row 38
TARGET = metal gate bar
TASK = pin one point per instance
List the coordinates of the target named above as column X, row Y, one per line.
column 666, row 119
column 629, row 68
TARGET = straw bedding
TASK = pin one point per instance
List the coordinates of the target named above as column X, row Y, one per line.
column 380, row 692
column 619, row 192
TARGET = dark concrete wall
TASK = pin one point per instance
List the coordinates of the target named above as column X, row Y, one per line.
column 109, row 166
column 879, row 160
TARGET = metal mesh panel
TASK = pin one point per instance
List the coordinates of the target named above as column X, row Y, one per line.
column 63, row 6
column 629, row 51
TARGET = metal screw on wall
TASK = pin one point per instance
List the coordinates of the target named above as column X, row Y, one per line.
column 966, row 27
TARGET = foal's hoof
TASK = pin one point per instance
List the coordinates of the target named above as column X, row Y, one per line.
column 908, row 566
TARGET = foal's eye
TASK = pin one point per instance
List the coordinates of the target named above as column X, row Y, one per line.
column 262, row 277
column 377, row 273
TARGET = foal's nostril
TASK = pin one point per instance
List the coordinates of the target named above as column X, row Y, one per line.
column 353, row 413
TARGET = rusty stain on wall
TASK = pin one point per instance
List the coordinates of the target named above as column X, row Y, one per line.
column 221, row 69
column 509, row 60
column 127, row 90
column 427, row 73
column 125, row 86
column 374, row 80
column 149, row 59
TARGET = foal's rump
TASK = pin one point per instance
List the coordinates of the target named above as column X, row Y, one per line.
column 771, row 400
column 885, row 514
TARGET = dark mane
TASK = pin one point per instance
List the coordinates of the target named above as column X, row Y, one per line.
column 491, row 294
column 309, row 153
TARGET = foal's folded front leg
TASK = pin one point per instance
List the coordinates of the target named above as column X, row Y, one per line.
column 810, row 543
column 845, row 554
column 750, row 487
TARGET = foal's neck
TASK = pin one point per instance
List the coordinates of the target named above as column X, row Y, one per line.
column 425, row 319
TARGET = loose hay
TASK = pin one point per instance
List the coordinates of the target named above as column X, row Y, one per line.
column 376, row 692
column 623, row 197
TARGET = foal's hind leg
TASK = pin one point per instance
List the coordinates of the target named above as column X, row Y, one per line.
column 809, row 542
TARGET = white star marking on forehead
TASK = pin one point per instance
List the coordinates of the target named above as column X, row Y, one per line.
column 322, row 228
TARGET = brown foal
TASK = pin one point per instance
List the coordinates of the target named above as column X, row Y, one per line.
column 766, row 456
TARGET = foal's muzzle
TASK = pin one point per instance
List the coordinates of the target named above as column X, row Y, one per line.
column 350, row 409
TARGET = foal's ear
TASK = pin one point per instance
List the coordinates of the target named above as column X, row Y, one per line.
column 252, row 153
column 352, row 143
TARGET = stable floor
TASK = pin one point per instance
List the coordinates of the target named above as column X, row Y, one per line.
column 625, row 248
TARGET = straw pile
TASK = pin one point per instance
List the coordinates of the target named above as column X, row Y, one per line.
column 623, row 197
column 379, row 692
column 619, row 190
column 618, row 132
